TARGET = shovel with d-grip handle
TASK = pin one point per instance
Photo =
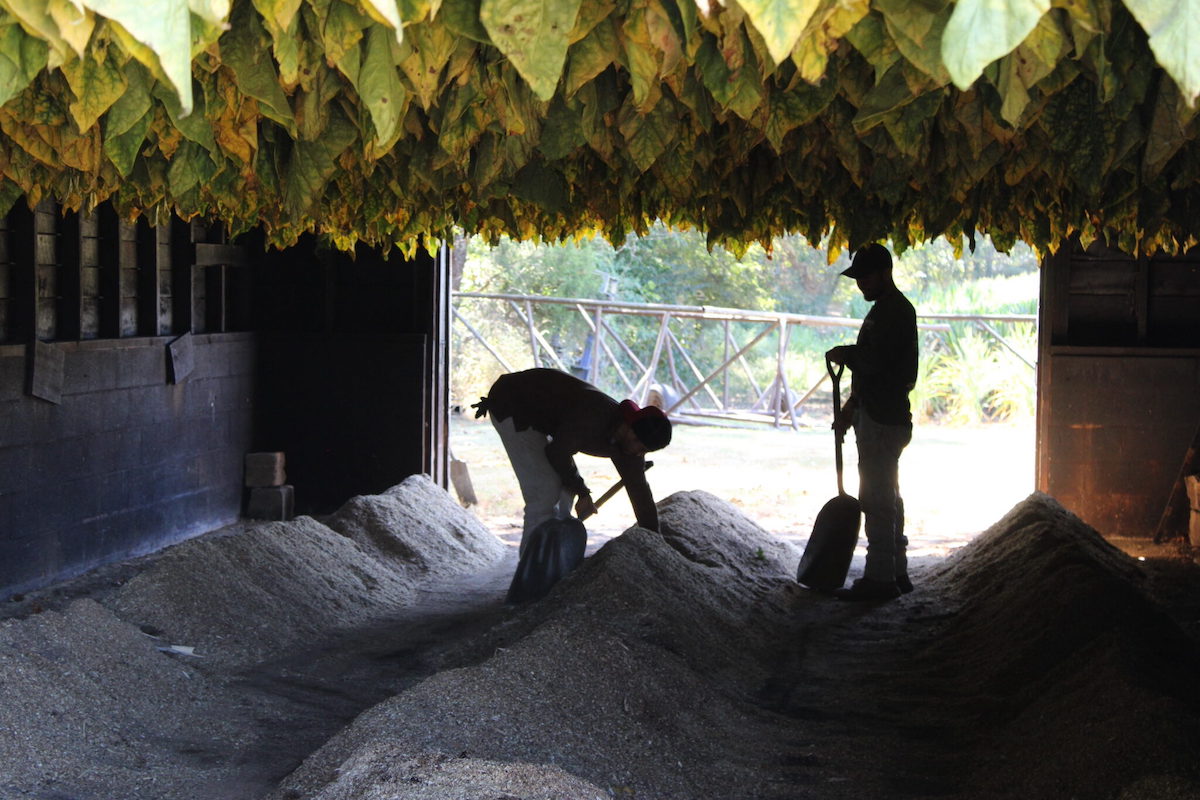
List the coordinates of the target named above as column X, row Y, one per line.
column 553, row 549
column 830, row 547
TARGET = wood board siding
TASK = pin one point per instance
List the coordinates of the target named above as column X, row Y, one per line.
column 1118, row 383
column 118, row 436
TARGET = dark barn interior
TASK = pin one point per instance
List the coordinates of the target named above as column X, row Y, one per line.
column 141, row 365
column 222, row 234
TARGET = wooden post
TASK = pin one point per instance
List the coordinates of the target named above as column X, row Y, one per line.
column 1193, row 490
column 1173, row 515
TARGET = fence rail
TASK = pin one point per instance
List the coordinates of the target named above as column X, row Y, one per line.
column 700, row 395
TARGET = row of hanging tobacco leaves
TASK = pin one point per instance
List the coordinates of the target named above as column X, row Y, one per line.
column 385, row 122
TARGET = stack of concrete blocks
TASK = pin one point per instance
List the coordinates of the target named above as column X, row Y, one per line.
column 271, row 497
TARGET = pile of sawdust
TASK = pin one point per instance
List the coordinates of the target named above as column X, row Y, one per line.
column 1080, row 683
column 91, row 708
column 419, row 528
column 627, row 675
column 256, row 591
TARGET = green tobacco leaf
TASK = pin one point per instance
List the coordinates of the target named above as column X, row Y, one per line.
column 423, row 57
column 127, row 121
column 1023, row 68
column 21, row 58
column 779, row 22
column 464, row 121
column 871, row 39
column 380, row 89
column 543, row 187
column 1174, row 30
column 342, row 30
column 313, row 163
column 245, row 50
column 75, row 25
column 590, row 56
column 533, row 35
column 192, row 166
column 561, row 132
column 462, row 18
column 166, row 30
column 792, row 108
column 279, row 14
column 97, row 82
column 917, row 29
column 590, row 15
column 36, row 19
column 831, row 22
column 194, row 126
column 648, row 135
column 738, row 90
column 981, row 31
column 641, row 60
column 282, row 21
column 1168, row 130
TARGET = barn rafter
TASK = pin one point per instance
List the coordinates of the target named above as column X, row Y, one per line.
column 385, row 122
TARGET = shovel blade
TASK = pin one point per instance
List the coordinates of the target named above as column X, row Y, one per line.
column 826, row 559
column 552, row 551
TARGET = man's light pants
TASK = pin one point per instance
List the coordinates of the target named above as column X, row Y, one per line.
column 879, row 448
column 541, row 487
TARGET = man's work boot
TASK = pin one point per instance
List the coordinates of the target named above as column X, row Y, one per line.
column 869, row 591
column 904, row 584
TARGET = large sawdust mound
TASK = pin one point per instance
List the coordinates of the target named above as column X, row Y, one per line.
column 1081, row 684
column 627, row 674
column 259, row 590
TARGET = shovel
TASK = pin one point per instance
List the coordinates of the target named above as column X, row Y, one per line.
column 830, row 547
column 554, row 549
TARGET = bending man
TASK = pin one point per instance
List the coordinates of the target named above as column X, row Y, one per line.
column 883, row 363
column 544, row 417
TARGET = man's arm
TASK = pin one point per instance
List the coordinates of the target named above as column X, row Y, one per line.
column 632, row 470
column 562, row 457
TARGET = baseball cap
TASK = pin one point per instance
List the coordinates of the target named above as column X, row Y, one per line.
column 872, row 258
column 649, row 424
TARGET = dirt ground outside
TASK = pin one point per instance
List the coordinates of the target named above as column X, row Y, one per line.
column 956, row 481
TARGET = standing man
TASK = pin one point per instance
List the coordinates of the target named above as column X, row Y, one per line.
column 544, row 417
column 883, row 366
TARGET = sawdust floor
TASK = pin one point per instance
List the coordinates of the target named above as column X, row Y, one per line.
column 1038, row 661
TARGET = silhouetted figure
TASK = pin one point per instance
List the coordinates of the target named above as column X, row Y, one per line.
column 544, row 417
column 883, row 364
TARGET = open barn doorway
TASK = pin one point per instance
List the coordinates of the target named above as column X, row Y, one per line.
column 733, row 345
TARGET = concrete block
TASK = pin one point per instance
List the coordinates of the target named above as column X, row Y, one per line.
column 265, row 469
column 272, row 502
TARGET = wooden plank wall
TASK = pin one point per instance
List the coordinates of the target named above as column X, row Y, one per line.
column 103, row 453
column 117, row 436
column 1118, row 383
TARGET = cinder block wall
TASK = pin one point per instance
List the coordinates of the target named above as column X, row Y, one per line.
column 127, row 462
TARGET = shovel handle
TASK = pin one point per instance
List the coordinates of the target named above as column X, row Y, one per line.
column 836, row 377
column 616, row 487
